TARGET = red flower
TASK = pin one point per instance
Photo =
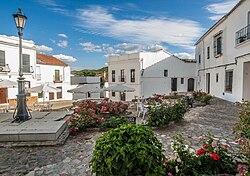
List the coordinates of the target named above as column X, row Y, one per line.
column 215, row 156
column 205, row 145
column 200, row 152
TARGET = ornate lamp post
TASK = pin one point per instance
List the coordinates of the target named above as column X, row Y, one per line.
column 22, row 112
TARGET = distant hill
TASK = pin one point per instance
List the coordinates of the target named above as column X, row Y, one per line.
column 87, row 72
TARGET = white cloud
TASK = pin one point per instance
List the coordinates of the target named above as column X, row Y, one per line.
column 90, row 47
column 177, row 32
column 184, row 55
column 43, row 48
column 48, row 3
column 128, row 48
column 62, row 35
column 62, row 43
column 65, row 58
column 218, row 10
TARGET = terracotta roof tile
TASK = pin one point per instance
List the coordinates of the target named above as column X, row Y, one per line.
column 49, row 60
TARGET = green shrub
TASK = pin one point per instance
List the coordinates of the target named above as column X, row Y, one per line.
column 212, row 158
column 128, row 150
column 114, row 122
column 242, row 131
column 242, row 128
column 162, row 114
column 202, row 97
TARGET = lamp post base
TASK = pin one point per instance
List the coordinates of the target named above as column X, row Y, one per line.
column 22, row 112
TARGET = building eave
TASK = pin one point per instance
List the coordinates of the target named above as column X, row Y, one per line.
column 219, row 22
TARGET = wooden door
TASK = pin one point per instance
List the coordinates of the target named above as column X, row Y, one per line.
column 173, row 84
column 3, row 95
column 123, row 96
column 208, row 82
column 190, row 85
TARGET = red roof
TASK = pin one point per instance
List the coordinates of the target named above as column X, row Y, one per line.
column 49, row 60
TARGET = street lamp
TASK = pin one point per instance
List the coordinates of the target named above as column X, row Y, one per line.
column 22, row 112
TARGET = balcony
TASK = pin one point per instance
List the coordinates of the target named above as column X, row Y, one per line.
column 122, row 79
column 242, row 35
column 38, row 77
column 5, row 68
column 58, row 79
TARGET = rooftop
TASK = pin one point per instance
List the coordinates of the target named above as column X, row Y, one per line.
column 49, row 60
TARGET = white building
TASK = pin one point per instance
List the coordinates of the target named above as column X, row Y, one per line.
column 55, row 73
column 149, row 73
column 223, row 56
column 9, row 65
column 91, row 81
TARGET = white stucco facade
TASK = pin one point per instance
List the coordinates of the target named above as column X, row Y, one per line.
column 45, row 74
column 35, row 74
column 148, row 73
column 213, row 72
column 9, row 66
column 154, row 81
column 91, row 81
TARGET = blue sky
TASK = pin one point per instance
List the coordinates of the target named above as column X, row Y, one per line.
column 84, row 32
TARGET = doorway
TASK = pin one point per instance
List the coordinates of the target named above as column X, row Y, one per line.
column 208, row 82
column 123, row 96
column 173, row 84
column 246, row 81
column 190, row 85
column 3, row 95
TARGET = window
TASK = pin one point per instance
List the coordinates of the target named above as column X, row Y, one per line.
column 113, row 75
column 165, row 73
column 208, row 52
column 218, row 45
column 182, row 80
column 229, row 81
column 122, row 76
column 2, row 58
column 40, row 95
column 199, row 58
column 113, row 94
column 26, row 63
column 51, row 96
column 59, row 94
column 248, row 18
column 57, row 76
column 27, row 86
column 132, row 75
column 217, row 77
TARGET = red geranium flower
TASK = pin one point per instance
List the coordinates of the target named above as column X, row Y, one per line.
column 200, row 152
column 215, row 156
column 205, row 145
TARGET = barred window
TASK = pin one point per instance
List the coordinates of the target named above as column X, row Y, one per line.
column 218, row 45
column 132, row 75
column 113, row 75
column 2, row 58
column 26, row 63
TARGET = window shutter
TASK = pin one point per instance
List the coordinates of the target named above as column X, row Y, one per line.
column 26, row 63
column 2, row 58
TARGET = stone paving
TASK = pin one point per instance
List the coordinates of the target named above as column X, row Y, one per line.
column 73, row 157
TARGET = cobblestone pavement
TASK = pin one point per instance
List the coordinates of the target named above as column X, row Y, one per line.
column 73, row 157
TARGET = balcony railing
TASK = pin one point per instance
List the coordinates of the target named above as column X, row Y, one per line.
column 122, row 79
column 5, row 68
column 58, row 79
column 243, row 35
column 38, row 77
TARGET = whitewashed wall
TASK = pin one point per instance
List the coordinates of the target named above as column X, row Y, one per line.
column 233, row 23
column 9, row 45
column 154, row 81
column 47, row 77
column 143, row 62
